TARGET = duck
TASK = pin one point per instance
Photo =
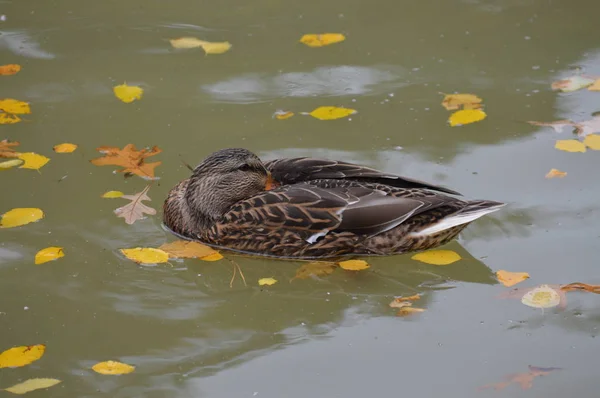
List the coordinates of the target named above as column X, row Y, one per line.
column 313, row 208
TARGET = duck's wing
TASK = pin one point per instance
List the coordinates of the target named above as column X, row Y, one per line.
column 294, row 170
column 312, row 212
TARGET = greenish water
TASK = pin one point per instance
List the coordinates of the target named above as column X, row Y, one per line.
column 187, row 332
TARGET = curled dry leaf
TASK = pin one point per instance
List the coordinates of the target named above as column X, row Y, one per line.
column 466, row 116
column 20, row 216
column 33, row 161
column 267, row 281
column 7, row 149
column 32, row 385
column 135, row 210
column 322, row 39
column 330, row 112
column 511, row 278
column 10, row 69
column 354, row 265
column 570, row 146
column 592, row 141
column 207, row 46
column 146, row 255
column 112, row 368
column 49, row 254
column 578, row 287
column 282, row 115
column 437, row 257
column 112, row 194
column 132, row 160
column 555, row 173
column 525, row 380
column 9, row 164
column 64, row 148
column 22, row 355
column 127, row 93
column 314, row 269
column 572, row 83
column 187, row 249
column 454, row 102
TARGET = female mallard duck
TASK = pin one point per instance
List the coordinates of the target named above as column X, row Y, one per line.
column 313, row 208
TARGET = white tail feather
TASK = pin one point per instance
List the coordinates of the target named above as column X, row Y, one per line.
column 454, row 220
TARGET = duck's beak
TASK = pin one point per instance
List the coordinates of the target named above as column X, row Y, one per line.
column 271, row 183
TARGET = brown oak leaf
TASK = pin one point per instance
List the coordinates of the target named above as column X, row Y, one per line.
column 132, row 160
column 136, row 209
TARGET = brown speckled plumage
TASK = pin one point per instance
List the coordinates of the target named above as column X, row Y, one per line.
column 320, row 208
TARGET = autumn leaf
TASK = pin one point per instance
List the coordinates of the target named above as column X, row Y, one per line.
column 330, row 112
column 112, row 194
column 558, row 126
column 267, row 281
column 592, row 141
column 187, row 249
column 554, row 173
column 404, row 311
column 570, row 146
column 511, row 278
column 135, row 210
column 14, row 106
column 282, row 115
column 32, row 385
column 466, row 116
column 132, row 160
column 8, row 118
column 323, row 39
column 9, row 164
column 578, row 286
column 582, row 129
column 525, row 380
column 127, row 93
column 572, row 83
column 542, row 296
column 354, row 265
column 212, row 257
column 146, row 255
column 400, row 302
column 64, row 148
column 7, row 150
column 112, row 368
column 33, row 160
column 315, row 269
column 454, row 102
column 437, row 257
column 49, row 254
column 20, row 216
column 207, row 46
column 22, row 355
column 10, row 69
column 595, row 86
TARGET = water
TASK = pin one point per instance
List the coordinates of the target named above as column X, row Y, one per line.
column 187, row 332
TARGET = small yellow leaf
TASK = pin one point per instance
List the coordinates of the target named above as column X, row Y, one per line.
column 554, row 173
column 187, row 249
column 354, row 265
column 216, row 48
column 113, row 368
column 22, row 355
column 323, row 39
column 49, row 254
column 207, row 46
column 595, row 86
column 437, row 257
column 570, row 146
column 511, row 278
column 331, row 112
column 32, row 160
column 267, row 281
column 592, row 141
column 146, row 255
column 127, row 93
column 9, row 118
column 212, row 257
column 466, row 116
column 32, row 385
column 542, row 296
column 112, row 194
column 282, row 115
column 572, row 83
column 64, row 148
column 405, row 311
column 20, row 216
column 315, row 269
column 9, row 69
column 453, row 102
column 10, row 164
column 14, row 106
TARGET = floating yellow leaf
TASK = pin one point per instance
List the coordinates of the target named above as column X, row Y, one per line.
column 267, row 281
column 323, row 39
column 592, row 141
column 570, row 146
column 20, row 216
column 32, row 385
column 127, row 93
column 10, row 164
column 9, row 69
column 554, row 173
column 64, row 148
column 354, row 265
column 212, row 257
column 466, row 116
column 572, row 83
column 437, row 257
column 14, row 106
column 408, row 310
column 541, row 297
column 113, row 368
column 112, row 194
column 187, row 249
column 33, row 161
column 22, row 355
column 207, row 46
column 8, row 118
column 49, row 254
column 282, row 115
column 314, row 269
column 511, row 278
column 146, row 255
column 453, row 102
column 331, row 112
column 595, row 86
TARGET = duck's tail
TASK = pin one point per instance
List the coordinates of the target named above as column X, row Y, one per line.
column 471, row 212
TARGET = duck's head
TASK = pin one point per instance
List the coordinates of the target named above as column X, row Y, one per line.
column 223, row 179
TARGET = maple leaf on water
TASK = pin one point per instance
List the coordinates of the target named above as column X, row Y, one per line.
column 7, row 150
column 132, row 160
column 136, row 209
column 525, row 380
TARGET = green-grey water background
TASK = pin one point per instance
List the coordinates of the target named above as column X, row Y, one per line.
column 187, row 332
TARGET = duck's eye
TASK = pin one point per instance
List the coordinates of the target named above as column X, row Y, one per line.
column 245, row 167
